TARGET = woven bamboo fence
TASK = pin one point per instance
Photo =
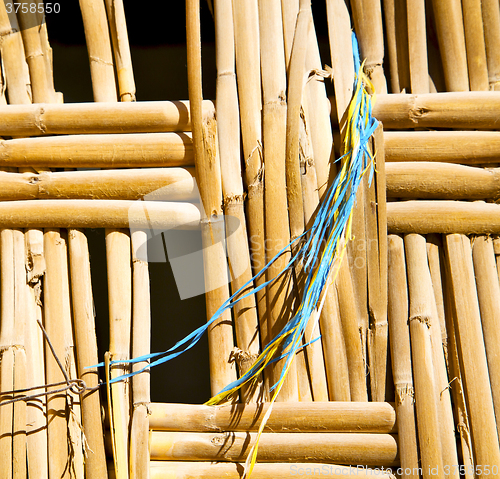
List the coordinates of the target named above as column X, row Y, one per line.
column 405, row 376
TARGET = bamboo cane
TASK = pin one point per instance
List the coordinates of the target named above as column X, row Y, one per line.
column 98, row 118
column 84, row 327
column 276, row 214
column 417, row 46
column 474, row 42
column 367, row 17
column 220, row 333
column 99, row 48
column 488, row 291
column 208, row 470
column 403, row 54
column 392, row 50
column 141, row 339
column 121, row 48
column 157, row 149
column 491, row 23
column 373, row 449
column 436, row 69
column 98, row 214
column 446, row 217
column 426, row 393
column 245, row 312
column 471, row 346
column 449, row 23
column 496, row 247
column 337, row 416
column 120, row 311
column 441, row 181
column 476, row 147
column 401, row 355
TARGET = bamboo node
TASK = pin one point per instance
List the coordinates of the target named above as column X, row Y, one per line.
column 405, row 391
column 424, row 319
column 100, row 61
column 39, row 120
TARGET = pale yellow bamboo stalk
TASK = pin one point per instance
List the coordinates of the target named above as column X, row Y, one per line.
column 496, row 247
column 141, row 339
column 289, row 12
column 450, row 31
column 373, row 449
column 401, row 356
column 108, row 151
column 245, row 312
column 474, row 43
column 84, row 330
column 304, row 380
column 57, row 415
column 441, row 181
column 491, row 23
column 367, row 18
column 276, row 214
column 39, row 77
column 57, row 97
column 98, row 214
column 426, row 392
column 392, row 48
column 99, row 49
column 209, row 470
column 446, row 217
column 220, row 334
column 120, row 311
column 488, row 291
column 403, row 54
column 99, row 118
column 121, row 49
column 417, row 46
column 336, row 416
column 473, row 356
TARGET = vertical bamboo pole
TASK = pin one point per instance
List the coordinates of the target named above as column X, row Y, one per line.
column 496, row 247
column 402, row 42
column 85, row 338
column 220, row 334
column 392, row 46
column 450, row 30
column 471, row 349
column 491, row 23
column 367, row 17
column 276, row 214
column 245, row 313
column 475, row 46
column 401, row 356
column 141, row 345
column 488, row 291
column 426, row 393
column 417, row 46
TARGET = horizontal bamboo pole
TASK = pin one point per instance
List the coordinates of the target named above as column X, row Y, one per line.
column 469, row 147
column 98, row 214
column 105, row 117
column 317, row 416
column 372, row 449
column 441, row 181
column 210, row 470
column 119, row 151
column 165, row 184
column 446, row 217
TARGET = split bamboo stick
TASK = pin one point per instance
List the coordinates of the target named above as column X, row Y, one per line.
column 337, row 416
column 97, row 118
column 84, row 331
column 165, row 184
column 468, row 147
column 372, row 449
column 426, row 391
column 98, row 214
column 245, row 312
column 119, row 151
column 475, row 46
column 488, row 291
column 274, row 113
column 491, row 23
column 99, row 48
column 401, row 355
column 220, row 334
column 121, row 49
column 141, row 345
column 441, row 181
column 210, row 470
column 447, row 217
column 367, row 17
column 450, row 30
column 417, row 47
column 472, row 353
